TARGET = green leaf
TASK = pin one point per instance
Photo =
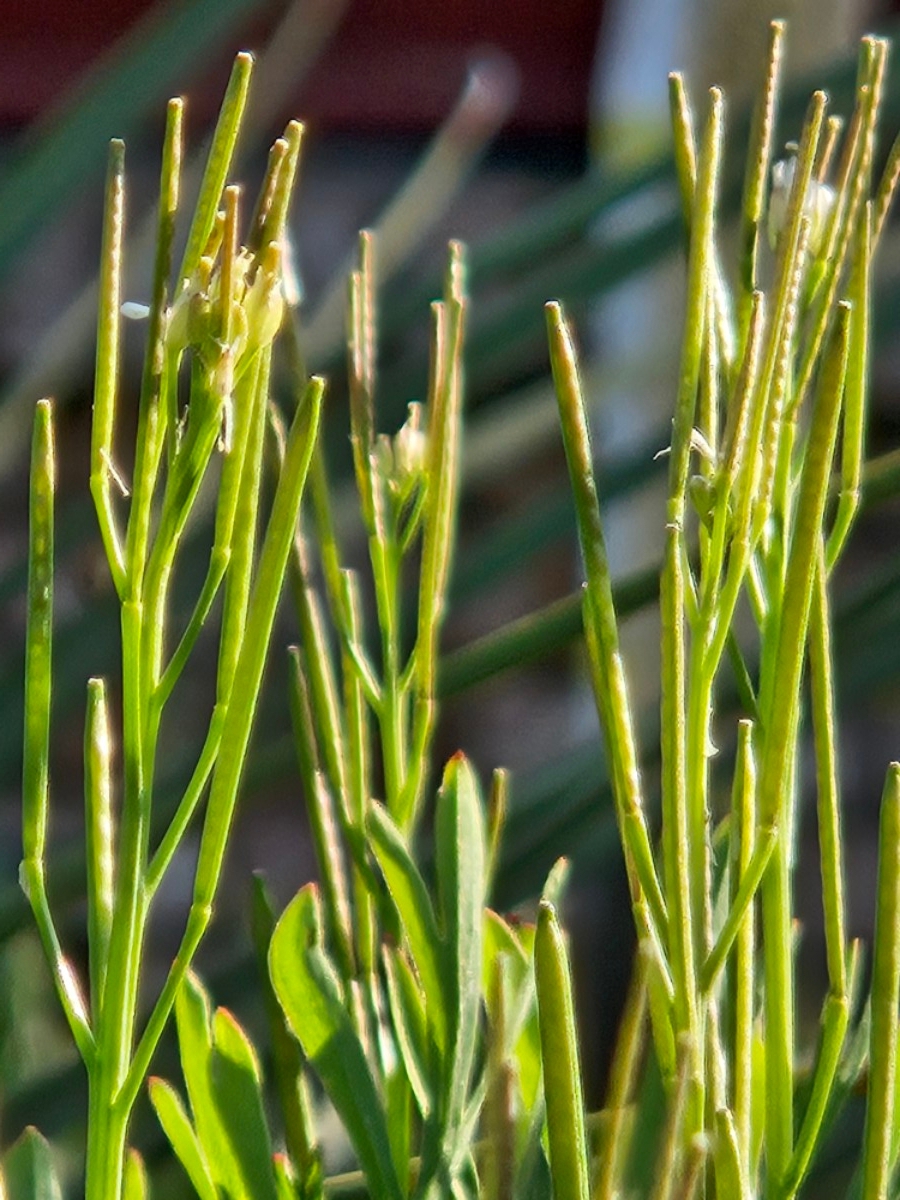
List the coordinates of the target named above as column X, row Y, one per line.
column 460, row 855
column 236, row 1085
column 134, row 1184
column 528, row 1060
column 290, row 1082
column 533, row 1176
column 285, row 1185
column 192, row 1018
column 413, row 904
column 398, row 1105
column 28, row 1169
column 523, row 1037
column 407, row 1007
column 499, row 937
column 308, row 990
column 182, row 1138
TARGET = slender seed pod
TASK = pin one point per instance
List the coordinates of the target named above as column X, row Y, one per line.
column 559, row 1055
column 880, row 1110
column 38, row 639
column 99, row 837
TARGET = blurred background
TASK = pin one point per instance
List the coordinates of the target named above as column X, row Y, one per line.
column 538, row 134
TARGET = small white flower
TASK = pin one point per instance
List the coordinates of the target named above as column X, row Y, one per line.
column 291, row 283
column 817, row 205
column 410, row 445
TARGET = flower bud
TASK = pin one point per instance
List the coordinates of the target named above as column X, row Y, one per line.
column 264, row 302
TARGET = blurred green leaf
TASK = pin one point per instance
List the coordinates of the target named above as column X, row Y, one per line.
column 28, row 1171
column 134, row 78
column 135, row 1185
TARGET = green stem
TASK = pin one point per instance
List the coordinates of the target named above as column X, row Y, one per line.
column 106, row 1148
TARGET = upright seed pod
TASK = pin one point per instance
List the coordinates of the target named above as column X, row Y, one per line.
column 559, row 1055
column 99, row 837
column 38, row 640
column 880, row 1115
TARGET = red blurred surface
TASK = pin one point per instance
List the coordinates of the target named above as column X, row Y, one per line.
column 395, row 64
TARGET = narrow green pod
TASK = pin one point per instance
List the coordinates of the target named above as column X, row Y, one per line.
column 685, row 148
column 38, row 639
column 835, row 1019
column 361, row 375
column 623, row 1074
column 857, row 386
column 498, row 807
column 831, row 842
column 700, row 272
column 443, row 442
column 99, row 837
column 758, row 163
column 559, row 1054
column 779, row 697
column 243, row 525
column 729, row 1170
column 358, row 754
column 880, row 1110
column 218, row 164
column 499, row 1167
column 273, row 224
column 319, row 672
column 106, row 370
column 744, row 810
column 249, row 666
column 601, row 627
column 157, row 383
column 36, row 749
column 443, row 448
